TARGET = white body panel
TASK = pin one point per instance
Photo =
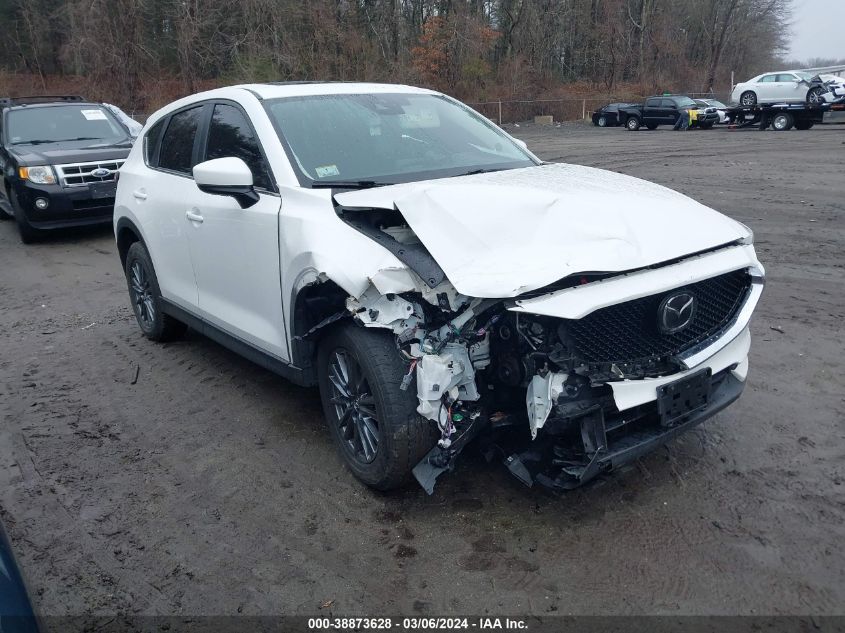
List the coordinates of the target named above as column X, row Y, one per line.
column 159, row 205
column 235, row 253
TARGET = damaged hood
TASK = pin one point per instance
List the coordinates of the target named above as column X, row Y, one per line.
column 501, row 234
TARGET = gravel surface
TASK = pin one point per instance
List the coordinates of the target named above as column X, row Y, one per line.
column 181, row 479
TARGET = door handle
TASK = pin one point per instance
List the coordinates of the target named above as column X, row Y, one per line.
column 140, row 194
column 194, row 217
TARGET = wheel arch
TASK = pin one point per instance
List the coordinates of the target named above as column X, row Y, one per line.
column 126, row 234
column 315, row 309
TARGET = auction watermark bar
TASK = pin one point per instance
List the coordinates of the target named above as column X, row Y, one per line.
column 431, row 624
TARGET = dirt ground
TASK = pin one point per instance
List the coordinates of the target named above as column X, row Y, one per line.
column 210, row 486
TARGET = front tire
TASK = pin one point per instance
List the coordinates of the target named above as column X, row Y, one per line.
column 374, row 424
column 814, row 96
column 633, row 123
column 146, row 298
column 29, row 234
column 748, row 98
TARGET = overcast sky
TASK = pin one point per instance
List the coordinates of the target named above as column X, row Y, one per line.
column 818, row 29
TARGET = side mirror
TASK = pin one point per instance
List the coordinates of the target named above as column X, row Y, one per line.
column 521, row 143
column 227, row 177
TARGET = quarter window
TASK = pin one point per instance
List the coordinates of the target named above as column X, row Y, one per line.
column 231, row 135
column 151, row 140
column 177, row 146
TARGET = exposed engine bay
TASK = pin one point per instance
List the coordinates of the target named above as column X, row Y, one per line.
column 537, row 388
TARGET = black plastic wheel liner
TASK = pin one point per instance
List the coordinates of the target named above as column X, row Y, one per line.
column 414, row 256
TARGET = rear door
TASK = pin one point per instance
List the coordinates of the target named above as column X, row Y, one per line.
column 235, row 251
column 768, row 89
column 160, row 196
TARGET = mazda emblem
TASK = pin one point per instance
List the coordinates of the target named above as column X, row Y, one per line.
column 676, row 312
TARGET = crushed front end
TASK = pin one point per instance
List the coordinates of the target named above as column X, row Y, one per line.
column 572, row 380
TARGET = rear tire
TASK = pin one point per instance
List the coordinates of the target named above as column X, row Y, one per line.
column 145, row 295
column 803, row 125
column 633, row 123
column 651, row 126
column 782, row 122
column 602, row 122
column 359, row 372
column 748, row 98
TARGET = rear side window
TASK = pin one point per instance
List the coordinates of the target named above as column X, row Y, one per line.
column 230, row 134
column 177, row 146
column 769, row 79
column 151, row 140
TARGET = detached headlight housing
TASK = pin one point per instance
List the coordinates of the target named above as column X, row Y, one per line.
column 40, row 175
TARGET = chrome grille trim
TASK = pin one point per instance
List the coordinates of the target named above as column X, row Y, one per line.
column 80, row 174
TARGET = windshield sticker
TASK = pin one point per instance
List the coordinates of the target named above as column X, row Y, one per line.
column 94, row 115
column 327, row 170
column 417, row 118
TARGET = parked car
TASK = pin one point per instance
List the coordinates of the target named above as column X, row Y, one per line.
column 16, row 614
column 59, row 157
column 786, row 87
column 435, row 278
column 721, row 108
column 664, row 110
column 608, row 116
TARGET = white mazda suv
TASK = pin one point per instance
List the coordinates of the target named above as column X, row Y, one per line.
column 439, row 282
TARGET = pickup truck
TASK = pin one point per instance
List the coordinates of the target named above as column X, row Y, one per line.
column 663, row 110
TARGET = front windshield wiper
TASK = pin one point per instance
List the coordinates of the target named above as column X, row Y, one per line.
column 479, row 171
column 35, row 141
column 350, row 184
column 39, row 141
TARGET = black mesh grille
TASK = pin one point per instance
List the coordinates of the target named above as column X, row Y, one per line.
column 628, row 332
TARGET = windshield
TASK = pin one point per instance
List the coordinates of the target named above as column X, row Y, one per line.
column 716, row 104
column 684, row 102
column 53, row 124
column 388, row 138
column 805, row 76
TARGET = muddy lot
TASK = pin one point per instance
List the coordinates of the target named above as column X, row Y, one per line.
column 210, row 486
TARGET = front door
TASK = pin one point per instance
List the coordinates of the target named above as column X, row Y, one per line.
column 235, row 251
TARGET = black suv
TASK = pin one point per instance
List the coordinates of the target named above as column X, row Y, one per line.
column 59, row 158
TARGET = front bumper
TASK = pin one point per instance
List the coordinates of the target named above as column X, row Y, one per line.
column 67, row 206
column 621, row 446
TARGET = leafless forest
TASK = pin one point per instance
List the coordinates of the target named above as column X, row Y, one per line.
column 143, row 53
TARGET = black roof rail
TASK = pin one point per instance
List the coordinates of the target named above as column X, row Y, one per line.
column 15, row 101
